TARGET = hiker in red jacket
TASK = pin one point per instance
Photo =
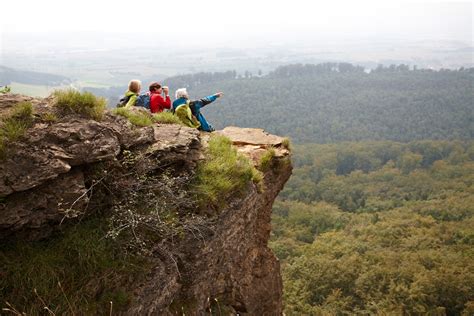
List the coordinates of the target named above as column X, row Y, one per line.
column 157, row 102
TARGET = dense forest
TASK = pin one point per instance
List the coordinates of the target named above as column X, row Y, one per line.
column 335, row 102
column 378, row 227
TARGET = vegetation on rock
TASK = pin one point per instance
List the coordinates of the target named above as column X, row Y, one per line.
column 144, row 118
column 84, row 103
column 138, row 118
column 266, row 159
column 166, row 118
column 223, row 174
column 5, row 89
column 14, row 125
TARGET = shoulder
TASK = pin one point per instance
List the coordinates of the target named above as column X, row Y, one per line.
column 179, row 102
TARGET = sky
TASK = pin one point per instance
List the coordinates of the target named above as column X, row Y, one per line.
column 216, row 22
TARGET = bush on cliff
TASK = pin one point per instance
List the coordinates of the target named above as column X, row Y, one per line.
column 84, row 103
column 166, row 118
column 138, row 118
column 266, row 159
column 224, row 172
column 14, row 124
column 145, row 118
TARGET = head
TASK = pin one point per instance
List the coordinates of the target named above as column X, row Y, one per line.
column 155, row 87
column 182, row 93
column 135, row 86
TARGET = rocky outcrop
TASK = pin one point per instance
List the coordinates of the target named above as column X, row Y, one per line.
column 230, row 269
column 42, row 180
column 50, row 179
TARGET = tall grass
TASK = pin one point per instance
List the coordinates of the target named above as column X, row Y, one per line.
column 266, row 159
column 83, row 103
column 223, row 174
column 138, row 118
column 166, row 118
column 79, row 272
column 145, row 118
column 286, row 143
column 14, row 125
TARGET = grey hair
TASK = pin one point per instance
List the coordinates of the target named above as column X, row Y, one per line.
column 181, row 93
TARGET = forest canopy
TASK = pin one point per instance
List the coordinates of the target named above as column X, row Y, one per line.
column 378, row 227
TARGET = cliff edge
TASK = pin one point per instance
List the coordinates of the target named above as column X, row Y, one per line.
column 198, row 257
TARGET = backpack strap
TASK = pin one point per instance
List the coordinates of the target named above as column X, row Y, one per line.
column 123, row 101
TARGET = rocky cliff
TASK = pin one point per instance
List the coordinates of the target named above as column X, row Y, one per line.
column 67, row 169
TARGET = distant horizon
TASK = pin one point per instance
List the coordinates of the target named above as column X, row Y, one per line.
column 96, row 43
column 209, row 23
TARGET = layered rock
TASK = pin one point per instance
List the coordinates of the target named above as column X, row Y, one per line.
column 48, row 180
column 42, row 180
column 231, row 269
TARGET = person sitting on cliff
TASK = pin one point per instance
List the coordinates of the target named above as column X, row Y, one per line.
column 158, row 102
column 189, row 112
column 134, row 87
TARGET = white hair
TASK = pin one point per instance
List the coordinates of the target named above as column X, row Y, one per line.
column 181, row 93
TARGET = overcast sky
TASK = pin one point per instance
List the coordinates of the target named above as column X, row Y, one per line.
column 214, row 21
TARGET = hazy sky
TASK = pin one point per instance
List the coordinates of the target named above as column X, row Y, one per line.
column 214, row 21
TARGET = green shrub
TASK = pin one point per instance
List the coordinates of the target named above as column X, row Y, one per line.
column 144, row 118
column 49, row 117
column 166, row 118
column 78, row 272
column 224, row 173
column 4, row 90
column 286, row 143
column 138, row 118
column 266, row 159
column 14, row 125
column 83, row 103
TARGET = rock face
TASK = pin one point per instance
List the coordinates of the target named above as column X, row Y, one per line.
column 48, row 179
column 232, row 269
column 42, row 180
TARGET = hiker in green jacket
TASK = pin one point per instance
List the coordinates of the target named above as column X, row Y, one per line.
column 134, row 87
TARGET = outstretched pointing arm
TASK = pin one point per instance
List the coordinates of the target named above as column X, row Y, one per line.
column 209, row 99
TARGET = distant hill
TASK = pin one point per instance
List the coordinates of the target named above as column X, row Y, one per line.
column 9, row 75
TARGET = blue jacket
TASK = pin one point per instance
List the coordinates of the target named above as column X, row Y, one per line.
column 196, row 106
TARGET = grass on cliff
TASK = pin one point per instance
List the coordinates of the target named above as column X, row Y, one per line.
column 138, row 118
column 166, row 118
column 14, row 125
column 223, row 174
column 84, row 103
column 78, row 272
column 286, row 143
column 266, row 159
column 145, row 118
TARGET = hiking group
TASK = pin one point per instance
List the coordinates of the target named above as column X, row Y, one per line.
column 157, row 100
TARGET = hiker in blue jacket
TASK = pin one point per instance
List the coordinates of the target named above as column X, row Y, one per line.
column 189, row 112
